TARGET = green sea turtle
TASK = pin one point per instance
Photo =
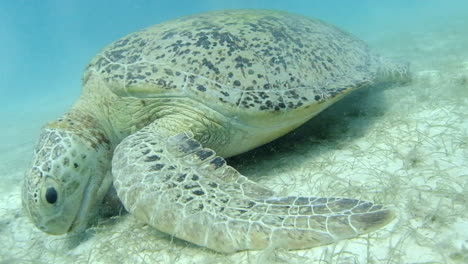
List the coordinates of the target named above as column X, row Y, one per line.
column 161, row 109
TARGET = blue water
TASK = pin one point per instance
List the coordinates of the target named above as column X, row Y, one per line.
column 46, row 44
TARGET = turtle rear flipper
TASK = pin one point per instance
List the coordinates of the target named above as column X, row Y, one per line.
column 183, row 189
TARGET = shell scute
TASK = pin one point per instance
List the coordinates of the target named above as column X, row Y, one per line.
column 252, row 60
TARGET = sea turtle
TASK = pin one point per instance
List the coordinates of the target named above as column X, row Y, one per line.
column 161, row 109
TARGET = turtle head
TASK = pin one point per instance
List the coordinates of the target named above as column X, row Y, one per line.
column 68, row 177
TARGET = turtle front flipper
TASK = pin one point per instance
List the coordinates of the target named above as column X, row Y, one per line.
column 181, row 188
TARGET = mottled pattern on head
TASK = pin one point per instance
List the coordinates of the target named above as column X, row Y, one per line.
column 63, row 161
column 256, row 60
column 53, row 156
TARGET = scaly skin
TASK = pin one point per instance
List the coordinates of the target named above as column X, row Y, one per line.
column 69, row 174
column 162, row 107
column 166, row 178
column 179, row 187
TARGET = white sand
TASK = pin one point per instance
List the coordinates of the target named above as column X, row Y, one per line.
column 406, row 146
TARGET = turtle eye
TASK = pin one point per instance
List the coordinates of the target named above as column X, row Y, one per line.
column 51, row 195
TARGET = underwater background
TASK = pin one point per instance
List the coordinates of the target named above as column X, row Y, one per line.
column 406, row 146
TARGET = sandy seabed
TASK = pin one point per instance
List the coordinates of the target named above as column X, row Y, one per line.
column 405, row 146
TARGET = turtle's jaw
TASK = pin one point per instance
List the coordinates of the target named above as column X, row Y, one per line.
column 93, row 194
column 82, row 216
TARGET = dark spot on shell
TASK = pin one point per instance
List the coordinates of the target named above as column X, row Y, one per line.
column 203, row 41
column 201, row 88
column 169, row 72
column 210, row 65
column 241, row 62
